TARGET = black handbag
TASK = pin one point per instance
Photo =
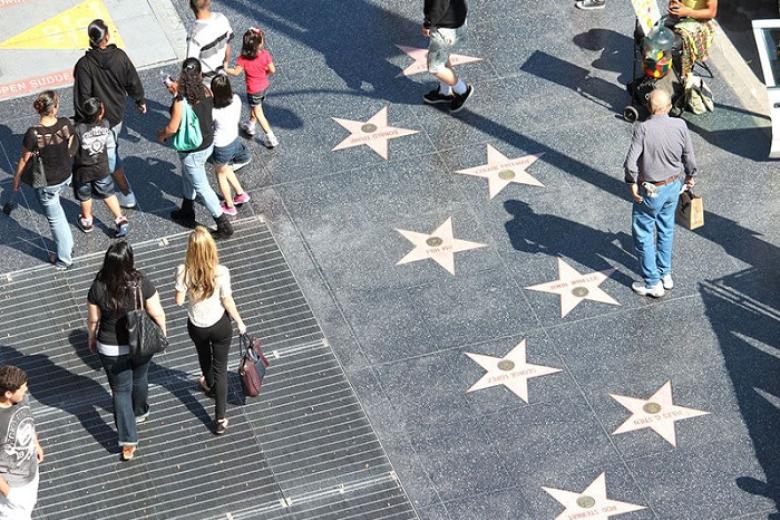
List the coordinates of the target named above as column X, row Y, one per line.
column 34, row 174
column 145, row 337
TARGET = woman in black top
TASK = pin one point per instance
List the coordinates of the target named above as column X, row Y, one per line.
column 53, row 138
column 111, row 295
column 192, row 93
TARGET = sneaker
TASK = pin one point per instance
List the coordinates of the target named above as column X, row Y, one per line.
column 59, row 266
column 240, row 200
column 656, row 291
column 667, row 282
column 220, row 426
column 142, row 418
column 228, row 210
column 590, row 5
column 237, row 166
column 85, row 224
column 126, row 201
column 435, row 96
column 127, row 453
column 248, row 128
column 122, row 227
column 270, row 141
column 458, row 100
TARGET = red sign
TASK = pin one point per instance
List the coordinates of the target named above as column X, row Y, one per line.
column 35, row 84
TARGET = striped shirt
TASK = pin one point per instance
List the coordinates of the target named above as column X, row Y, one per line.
column 207, row 42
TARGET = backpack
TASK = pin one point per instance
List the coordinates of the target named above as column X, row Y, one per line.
column 189, row 136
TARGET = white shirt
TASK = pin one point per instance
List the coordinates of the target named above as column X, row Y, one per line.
column 206, row 312
column 207, row 41
column 226, row 122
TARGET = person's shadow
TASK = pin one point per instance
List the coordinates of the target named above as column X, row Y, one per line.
column 616, row 51
column 533, row 232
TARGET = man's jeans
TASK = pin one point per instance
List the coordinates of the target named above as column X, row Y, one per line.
column 49, row 197
column 655, row 215
column 130, row 389
column 20, row 502
column 194, row 180
column 112, row 148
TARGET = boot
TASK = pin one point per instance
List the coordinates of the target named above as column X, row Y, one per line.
column 185, row 215
column 224, row 227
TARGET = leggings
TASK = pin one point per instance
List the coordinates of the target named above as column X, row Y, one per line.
column 213, row 346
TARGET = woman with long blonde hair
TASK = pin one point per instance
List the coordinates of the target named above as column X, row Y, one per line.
column 205, row 285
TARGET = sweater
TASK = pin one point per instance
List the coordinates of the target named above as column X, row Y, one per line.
column 449, row 14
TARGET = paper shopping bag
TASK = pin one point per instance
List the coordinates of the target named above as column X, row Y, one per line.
column 690, row 210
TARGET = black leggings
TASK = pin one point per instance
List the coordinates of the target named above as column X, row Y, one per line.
column 213, row 345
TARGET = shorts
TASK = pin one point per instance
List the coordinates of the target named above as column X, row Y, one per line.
column 235, row 152
column 112, row 148
column 256, row 99
column 443, row 42
column 100, row 189
column 19, row 504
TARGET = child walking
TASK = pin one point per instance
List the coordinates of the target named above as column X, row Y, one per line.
column 229, row 154
column 91, row 172
column 257, row 64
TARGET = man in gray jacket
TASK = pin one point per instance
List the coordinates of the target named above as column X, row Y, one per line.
column 661, row 150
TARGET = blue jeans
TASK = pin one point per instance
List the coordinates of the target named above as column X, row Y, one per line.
column 129, row 384
column 655, row 216
column 112, row 148
column 49, row 197
column 194, row 181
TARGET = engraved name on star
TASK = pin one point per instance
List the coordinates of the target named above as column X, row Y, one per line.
column 657, row 412
column 420, row 57
column 573, row 287
column 591, row 504
column 373, row 133
column 440, row 246
column 512, row 371
column 501, row 171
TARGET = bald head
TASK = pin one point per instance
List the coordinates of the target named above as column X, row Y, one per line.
column 660, row 102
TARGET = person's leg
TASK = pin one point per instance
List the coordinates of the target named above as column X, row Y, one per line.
column 125, row 196
column 221, row 336
column 113, row 206
column 119, row 372
column 186, row 214
column 141, row 388
column 49, row 198
column 20, row 504
column 200, row 337
column 223, row 171
column 664, row 224
column 257, row 112
column 643, row 227
column 86, row 210
column 195, row 170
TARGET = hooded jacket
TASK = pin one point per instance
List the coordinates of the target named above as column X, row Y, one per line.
column 109, row 75
column 450, row 14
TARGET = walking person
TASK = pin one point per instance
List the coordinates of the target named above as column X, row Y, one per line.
column 112, row 294
column 53, row 139
column 445, row 26
column 230, row 154
column 105, row 72
column 205, row 284
column 209, row 39
column 660, row 151
column 90, row 170
column 191, row 94
column 257, row 64
column 20, row 451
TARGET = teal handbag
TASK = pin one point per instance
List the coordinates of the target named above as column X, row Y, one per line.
column 189, row 136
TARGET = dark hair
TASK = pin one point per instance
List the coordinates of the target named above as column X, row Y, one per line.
column 45, row 102
column 11, row 378
column 97, row 30
column 117, row 271
column 199, row 5
column 91, row 109
column 223, row 92
column 253, row 41
column 191, row 81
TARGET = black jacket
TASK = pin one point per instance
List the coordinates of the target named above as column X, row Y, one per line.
column 109, row 75
column 445, row 13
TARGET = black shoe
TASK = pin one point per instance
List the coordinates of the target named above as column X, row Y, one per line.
column 224, row 228
column 460, row 99
column 185, row 215
column 435, row 96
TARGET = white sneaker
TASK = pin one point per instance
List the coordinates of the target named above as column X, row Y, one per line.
column 667, row 282
column 270, row 140
column 589, row 5
column 656, row 291
column 126, row 201
column 248, row 128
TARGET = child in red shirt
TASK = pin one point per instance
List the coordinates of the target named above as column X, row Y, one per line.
column 257, row 64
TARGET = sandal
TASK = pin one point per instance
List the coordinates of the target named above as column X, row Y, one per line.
column 128, row 452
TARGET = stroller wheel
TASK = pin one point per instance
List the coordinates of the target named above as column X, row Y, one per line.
column 630, row 113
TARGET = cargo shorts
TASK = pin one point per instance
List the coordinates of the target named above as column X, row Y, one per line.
column 443, row 41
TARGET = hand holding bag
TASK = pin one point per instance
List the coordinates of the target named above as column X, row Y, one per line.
column 33, row 173
column 253, row 365
column 145, row 337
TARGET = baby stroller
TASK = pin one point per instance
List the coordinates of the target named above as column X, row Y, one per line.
column 659, row 53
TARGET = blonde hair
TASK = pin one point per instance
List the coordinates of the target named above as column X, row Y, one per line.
column 200, row 264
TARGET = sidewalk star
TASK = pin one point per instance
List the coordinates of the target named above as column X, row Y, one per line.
column 658, row 413
column 420, row 57
column 592, row 503
column 512, row 371
column 573, row 287
column 501, row 171
column 373, row 133
column 440, row 246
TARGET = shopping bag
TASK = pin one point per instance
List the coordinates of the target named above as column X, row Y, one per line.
column 690, row 210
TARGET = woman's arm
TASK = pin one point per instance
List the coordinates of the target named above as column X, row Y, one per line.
column 26, row 154
column 93, row 320
column 173, row 124
column 706, row 14
column 180, row 297
column 230, row 307
column 155, row 311
column 271, row 69
column 234, row 71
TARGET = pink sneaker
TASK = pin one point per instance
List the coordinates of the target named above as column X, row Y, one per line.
column 238, row 200
column 228, row 211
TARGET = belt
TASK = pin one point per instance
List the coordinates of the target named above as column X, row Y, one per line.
column 665, row 181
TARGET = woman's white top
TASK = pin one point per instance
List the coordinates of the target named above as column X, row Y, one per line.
column 226, row 122
column 206, row 312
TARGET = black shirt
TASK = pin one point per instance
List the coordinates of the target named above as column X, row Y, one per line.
column 92, row 159
column 450, row 14
column 113, row 323
column 53, row 145
column 203, row 110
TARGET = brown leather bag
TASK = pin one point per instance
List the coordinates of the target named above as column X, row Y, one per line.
column 253, row 365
